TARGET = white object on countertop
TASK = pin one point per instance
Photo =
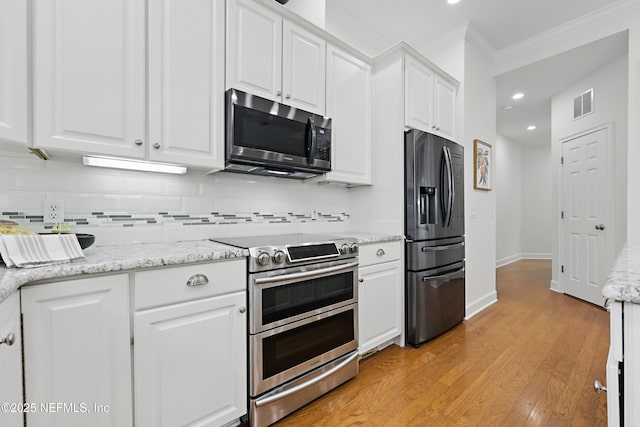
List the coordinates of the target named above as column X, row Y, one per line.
column 36, row 250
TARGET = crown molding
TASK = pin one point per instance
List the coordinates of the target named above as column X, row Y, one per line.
column 538, row 46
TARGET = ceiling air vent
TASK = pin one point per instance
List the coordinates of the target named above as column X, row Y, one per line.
column 583, row 104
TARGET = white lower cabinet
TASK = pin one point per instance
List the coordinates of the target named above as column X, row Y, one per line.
column 380, row 297
column 77, row 352
column 190, row 345
column 623, row 365
column 10, row 362
column 190, row 362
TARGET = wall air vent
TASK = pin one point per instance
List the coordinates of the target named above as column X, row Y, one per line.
column 583, row 104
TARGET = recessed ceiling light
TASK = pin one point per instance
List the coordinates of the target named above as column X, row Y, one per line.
column 508, row 107
column 532, row 127
column 453, row 1
column 517, row 95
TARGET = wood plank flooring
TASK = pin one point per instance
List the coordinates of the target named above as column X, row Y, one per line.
column 528, row 360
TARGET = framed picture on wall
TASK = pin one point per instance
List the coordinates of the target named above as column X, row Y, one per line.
column 483, row 165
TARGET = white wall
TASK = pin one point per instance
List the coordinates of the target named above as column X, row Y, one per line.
column 479, row 91
column 610, row 85
column 536, row 203
column 509, row 190
column 349, row 28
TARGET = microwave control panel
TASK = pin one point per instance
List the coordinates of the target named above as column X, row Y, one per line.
column 323, row 139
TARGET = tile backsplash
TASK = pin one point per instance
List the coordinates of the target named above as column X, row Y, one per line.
column 124, row 206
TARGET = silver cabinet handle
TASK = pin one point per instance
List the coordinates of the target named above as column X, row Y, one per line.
column 138, row 142
column 437, row 127
column 381, row 252
column 156, row 145
column 242, row 309
column 197, row 280
column 598, row 387
column 9, row 339
column 279, row 93
column 288, row 96
column 600, row 227
column 433, row 126
column 361, row 280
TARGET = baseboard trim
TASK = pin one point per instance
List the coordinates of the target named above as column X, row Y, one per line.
column 555, row 286
column 517, row 257
column 480, row 304
column 508, row 260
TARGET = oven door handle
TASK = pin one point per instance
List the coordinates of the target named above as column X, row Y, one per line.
column 296, row 389
column 306, row 274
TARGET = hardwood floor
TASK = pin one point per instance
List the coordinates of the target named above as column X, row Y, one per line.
column 528, row 360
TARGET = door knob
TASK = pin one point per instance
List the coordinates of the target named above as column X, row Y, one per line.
column 598, row 387
column 600, row 227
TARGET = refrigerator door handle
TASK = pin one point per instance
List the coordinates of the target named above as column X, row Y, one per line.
column 441, row 248
column 450, row 185
column 442, row 276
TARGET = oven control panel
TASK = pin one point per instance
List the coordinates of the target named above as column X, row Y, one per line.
column 273, row 257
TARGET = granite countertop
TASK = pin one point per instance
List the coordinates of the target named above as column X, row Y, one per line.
column 110, row 259
column 364, row 238
column 623, row 283
column 107, row 259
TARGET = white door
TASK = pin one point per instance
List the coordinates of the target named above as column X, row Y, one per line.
column 190, row 362
column 586, row 208
column 13, row 70
column 11, row 361
column 186, row 82
column 254, row 49
column 349, row 106
column 89, row 76
column 77, row 350
column 303, row 69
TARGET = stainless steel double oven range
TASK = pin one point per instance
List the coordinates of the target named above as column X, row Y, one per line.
column 303, row 320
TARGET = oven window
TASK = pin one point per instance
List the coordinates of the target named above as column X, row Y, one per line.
column 256, row 129
column 282, row 302
column 291, row 348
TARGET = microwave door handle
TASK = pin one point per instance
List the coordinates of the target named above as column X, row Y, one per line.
column 312, row 141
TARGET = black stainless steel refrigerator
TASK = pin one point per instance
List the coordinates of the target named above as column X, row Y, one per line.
column 434, row 228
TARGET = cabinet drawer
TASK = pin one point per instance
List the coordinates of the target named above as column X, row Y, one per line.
column 375, row 253
column 165, row 286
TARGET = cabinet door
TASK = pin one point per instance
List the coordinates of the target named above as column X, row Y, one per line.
column 418, row 95
column 11, row 359
column 379, row 304
column 77, row 351
column 444, row 107
column 190, row 362
column 349, row 107
column 186, row 82
column 13, row 71
column 89, row 76
column 254, row 49
column 303, row 69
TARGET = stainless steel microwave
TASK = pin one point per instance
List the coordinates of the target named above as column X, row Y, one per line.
column 265, row 137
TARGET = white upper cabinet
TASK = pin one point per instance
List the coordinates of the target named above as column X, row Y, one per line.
column 418, row 95
column 270, row 57
column 186, row 82
column 90, row 79
column 89, row 76
column 13, row 71
column 349, row 107
column 429, row 99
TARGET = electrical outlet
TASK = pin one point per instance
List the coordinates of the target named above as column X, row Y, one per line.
column 53, row 211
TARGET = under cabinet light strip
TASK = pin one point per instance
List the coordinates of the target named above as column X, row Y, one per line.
column 111, row 162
